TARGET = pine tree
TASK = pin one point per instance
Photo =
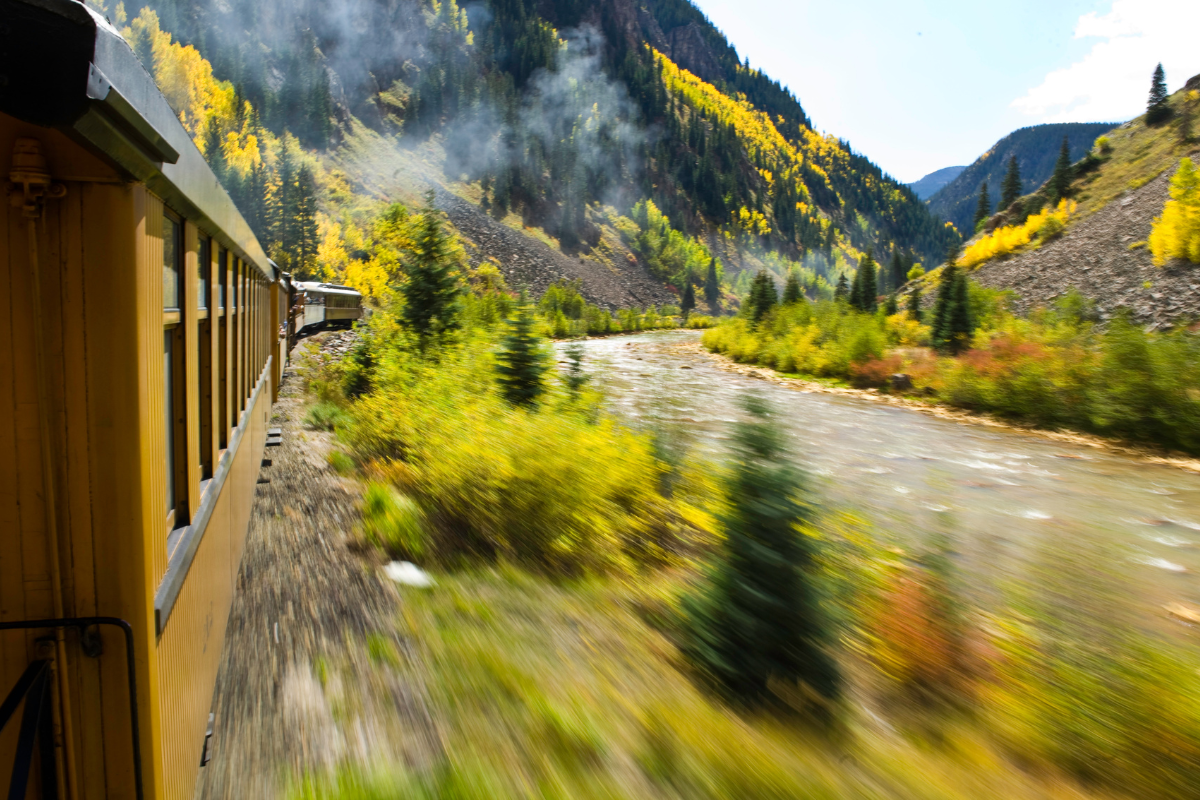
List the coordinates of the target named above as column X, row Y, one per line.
column 952, row 324
column 432, row 289
column 842, row 292
column 891, row 307
column 1157, row 110
column 855, row 298
column 896, row 269
column 792, row 293
column 521, row 362
column 712, row 289
column 1060, row 181
column 1010, row 190
column 763, row 296
column 688, row 301
column 304, row 248
column 914, row 304
column 576, row 378
column 983, row 209
column 214, row 154
column 959, row 325
column 759, row 619
column 868, row 293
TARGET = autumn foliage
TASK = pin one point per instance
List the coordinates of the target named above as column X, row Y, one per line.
column 1040, row 227
column 1176, row 234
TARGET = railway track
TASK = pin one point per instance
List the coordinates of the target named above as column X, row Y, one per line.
column 307, row 603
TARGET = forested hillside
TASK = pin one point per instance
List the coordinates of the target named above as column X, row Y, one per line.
column 1035, row 148
column 559, row 116
column 928, row 186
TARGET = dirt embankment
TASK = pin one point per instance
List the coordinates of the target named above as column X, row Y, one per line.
column 1095, row 257
column 528, row 262
column 299, row 688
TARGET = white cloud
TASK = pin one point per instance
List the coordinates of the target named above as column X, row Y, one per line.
column 1112, row 81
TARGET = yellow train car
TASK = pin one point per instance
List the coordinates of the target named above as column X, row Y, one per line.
column 140, row 353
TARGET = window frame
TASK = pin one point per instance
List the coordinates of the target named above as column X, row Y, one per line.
column 175, row 376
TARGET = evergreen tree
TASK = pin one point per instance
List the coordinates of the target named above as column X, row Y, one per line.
column 763, row 296
column 959, row 325
column 983, row 209
column 842, row 291
column 897, row 277
column 1060, row 181
column 868, row 292
column 759, row 619
column 688, row 301
column 432, row 289
column 1157, row 110
column 855, row 298
column 576, row 378
column 214, row 154
column 521, row 362
column 891, row 307
column 1010, row 190
column 952, row 325
column 914, row 304
column 304, row 248
column 712, row 289
column 791, row 290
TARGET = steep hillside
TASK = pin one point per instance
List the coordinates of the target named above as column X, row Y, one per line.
column 556, row 117
column 932, row 183
column 1117, row 191
column 1036, row 149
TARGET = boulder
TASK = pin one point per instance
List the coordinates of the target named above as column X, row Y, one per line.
column 901, row 382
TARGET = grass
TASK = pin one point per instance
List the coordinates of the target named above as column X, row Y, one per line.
column 1139, row 155
column 565, row 691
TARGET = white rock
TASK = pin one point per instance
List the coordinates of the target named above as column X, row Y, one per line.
column 408, row 573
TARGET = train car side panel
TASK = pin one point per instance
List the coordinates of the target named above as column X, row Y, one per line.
column 111, row 325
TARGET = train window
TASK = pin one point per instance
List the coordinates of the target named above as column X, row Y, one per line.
column 222, row 276
column 204, row 264
column 172, row 255
column 169, row 407
column 204, row 334
column 222, row 355
column 175, row 438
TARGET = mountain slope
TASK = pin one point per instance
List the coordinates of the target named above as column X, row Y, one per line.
column 1036, row 149
column 554, row 116
column 928, row 186
column 1119, row 190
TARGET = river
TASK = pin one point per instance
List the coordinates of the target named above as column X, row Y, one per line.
column 1006, row 494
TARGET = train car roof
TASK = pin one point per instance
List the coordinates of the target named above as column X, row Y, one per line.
column 67, row 67
column 325, row 288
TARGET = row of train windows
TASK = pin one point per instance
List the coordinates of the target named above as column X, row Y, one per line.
column 221, row 379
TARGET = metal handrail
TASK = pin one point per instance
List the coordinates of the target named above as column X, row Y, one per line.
column 82, row 623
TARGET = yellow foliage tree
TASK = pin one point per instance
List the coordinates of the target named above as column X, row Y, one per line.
column 1176, row 234
column 1012, row 237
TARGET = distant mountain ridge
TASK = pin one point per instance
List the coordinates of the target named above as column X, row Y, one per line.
column 928, row 186
column 1036, row 149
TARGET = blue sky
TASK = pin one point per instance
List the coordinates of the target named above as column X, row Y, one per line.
column 918, row 85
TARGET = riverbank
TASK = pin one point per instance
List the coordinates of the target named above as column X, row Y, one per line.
column 943, row 411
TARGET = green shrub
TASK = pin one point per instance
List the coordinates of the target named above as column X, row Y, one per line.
column 341, row 463
column 393, row 522
column 558, row 488
column 325, row 416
